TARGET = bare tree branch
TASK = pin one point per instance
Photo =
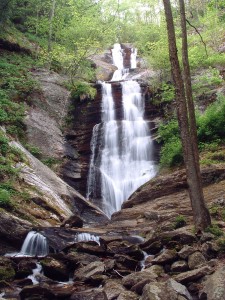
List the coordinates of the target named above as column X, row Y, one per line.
column 199, row 35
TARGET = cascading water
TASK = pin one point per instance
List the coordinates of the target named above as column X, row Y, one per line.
column 35, row 244
column 121, row 149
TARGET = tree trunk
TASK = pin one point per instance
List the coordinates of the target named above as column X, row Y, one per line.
column 186, row 120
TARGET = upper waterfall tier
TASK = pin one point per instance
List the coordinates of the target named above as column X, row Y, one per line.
column 122, row 157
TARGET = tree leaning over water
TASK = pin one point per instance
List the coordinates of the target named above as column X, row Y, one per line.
column 186, row 117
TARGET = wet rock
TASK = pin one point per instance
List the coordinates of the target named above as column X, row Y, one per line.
column 195, row 260
column 90, row 247
column 152, row 248
column 7, row 269
column 73, row 221
column 125, row 261
column 193, row 274
column 186, row 251
column 113, row 288
column 214, row 287
column 23, row 282
column 181, row 235
column 37, row 293
column 109, row 264
column 81, row 259
column 25, row 268
column 96, row 280
column 179, row 266
column 166, row 256
column 94, row 294
column 13, row 230
column 85, row 273
column 124, row 247
column 210, row 249
column 55, row 269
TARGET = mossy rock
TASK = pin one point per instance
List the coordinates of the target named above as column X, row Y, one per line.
column 7, row 273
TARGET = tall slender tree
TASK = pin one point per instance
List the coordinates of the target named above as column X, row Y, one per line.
column 186, row 117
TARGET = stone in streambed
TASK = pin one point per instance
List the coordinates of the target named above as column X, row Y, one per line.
column 165, row 257
column 85, row 273
column 195, row 260
column 179, row 266
column 193, row 275
column 55, row 269
column 94, row 294
column 36, row 292
column 186, row 251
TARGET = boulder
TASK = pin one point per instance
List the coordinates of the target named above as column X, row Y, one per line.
column 7, row 269
column 113, row 288
column 155, row 291
column 125, row 261
column 73, row 221
column 210, row 249
column 55, row 269
column 165, row 257
column 25, row 268
column 195, row 260
column 124, row 247
column 85, row 273
column 36, row 292
column 133, row 279
column 152, row 248
column 214, row 287
column 193, row 275
column 175, row 290
column 90, row 247
column 179, row 266
column 127, row 295
column 77, row 260
column 180, row 235
column 13, row 230
column 170, row 290
column 94, row 294
column 186, row 251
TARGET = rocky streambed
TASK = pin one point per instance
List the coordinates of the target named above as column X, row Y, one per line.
column 138, row 254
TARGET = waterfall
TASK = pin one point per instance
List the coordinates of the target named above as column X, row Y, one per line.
column 121, row 149
column 86, row 237
column 35, row 244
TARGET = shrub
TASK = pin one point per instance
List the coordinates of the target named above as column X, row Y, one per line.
column 82, row 90
column 214, row 229
column 180, row 221
column 4, row 198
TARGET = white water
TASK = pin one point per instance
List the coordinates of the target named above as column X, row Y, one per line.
column 35, row 244
column 86, row 237
column 122, row 156
column 36, row 273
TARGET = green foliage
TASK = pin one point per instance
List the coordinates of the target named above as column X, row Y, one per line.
column 211, row 124
column 221, row 244
column 179, row 222
column 51, row 162
column 168, row 92
column 35, row 151
column 210, row 130
column 82, row 90
column 214, row 229
column 4, row 198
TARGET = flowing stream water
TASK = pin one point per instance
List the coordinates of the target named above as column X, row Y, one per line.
column 121, row 158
